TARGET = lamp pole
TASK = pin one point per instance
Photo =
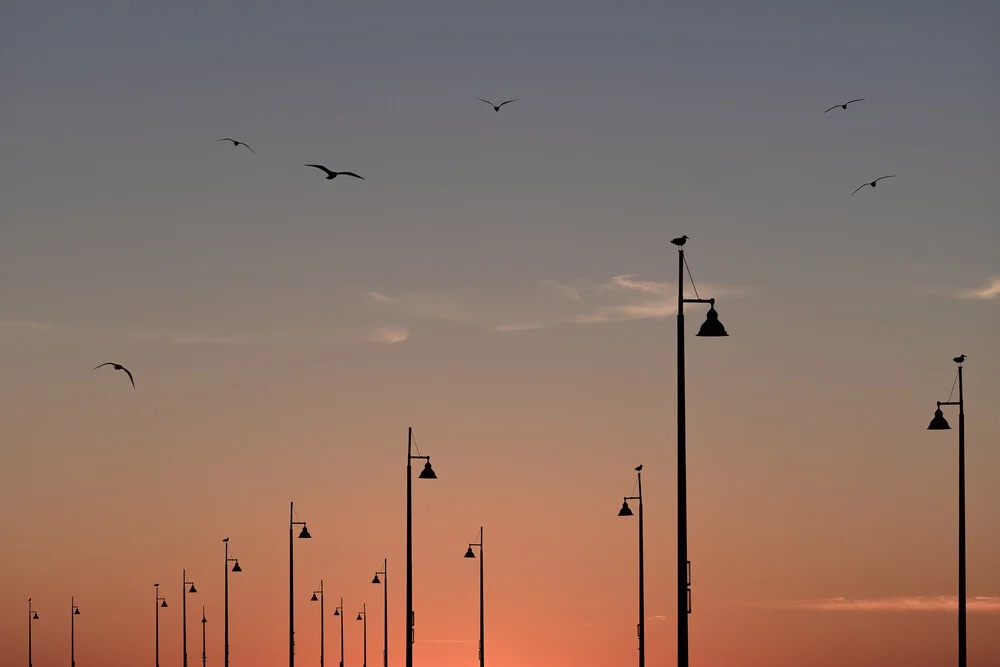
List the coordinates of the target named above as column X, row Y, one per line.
column 426, row 473
column 940, row 423
column 363, row 617
column 322, row 620
column 339, row 611
column 32, row 616
column 712, row 327
column 291, row 578
column 204, row 621
column 73, row 613
column 184, row 610
column 627, row 511
column 237, row 569
column 160, row 602
column 385, row 609
column 482, row 634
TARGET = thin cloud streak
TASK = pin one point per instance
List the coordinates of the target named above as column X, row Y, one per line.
column 209, row 340
column 990, row 290
column 928, row 603
column 389, row 335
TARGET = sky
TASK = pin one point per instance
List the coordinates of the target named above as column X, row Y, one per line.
column 504, row 284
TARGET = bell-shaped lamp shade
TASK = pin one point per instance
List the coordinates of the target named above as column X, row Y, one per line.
column 376, row 580
column 163, row 604
column 428, row 472
column 336, row 612
column 470, row 553
column 236, row 567
column 314, row 598
column 192, row 589
column 625, row 510
column 35, row 617
column 359, row 616
column 76, row 611
column 939, row 423
column 305, row 533
column 712, row 326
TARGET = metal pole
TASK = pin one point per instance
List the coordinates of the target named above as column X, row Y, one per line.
column 157, row 626
column 364, row 629
column 30, row 618
column 342, row 612
column 409, row 551
column 204, row 620
column 682, row 559
column 482, row 632
column 962, row 657
column 184, row 616
column 72, row 632
column 322, row 625
column 291, row 586
column 226, row 620
column 385, row 612
column 642, row 587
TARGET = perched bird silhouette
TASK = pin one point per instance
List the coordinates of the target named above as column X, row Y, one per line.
column 226, row 540
column 330, row 175
column 639, row 468
column 680, row 240
column 118, row 367
column 237, row 143
column 959, row 359
column 872, row 183
column 496, row 107
column 844, row 105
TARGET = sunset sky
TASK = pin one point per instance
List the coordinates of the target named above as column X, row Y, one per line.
column 504, row 283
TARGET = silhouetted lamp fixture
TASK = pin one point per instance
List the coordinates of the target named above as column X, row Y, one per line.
column 163, row 604
column 427, row 472
column 236, row 567
column 192, row 589
column 625, row 510
column 336, row 612
column 712, row 327
column 359, row 617
column 939, row 423
column 76, row 612
column 314, row 598
column 376, row 580
column 305, row 533
column 35, row 617
column 469, row 553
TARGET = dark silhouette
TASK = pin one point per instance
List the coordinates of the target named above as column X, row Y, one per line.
column 118, row 367
column 959, row 359
column 872, row 183
column 237, row 143
column 496, row 107
column 638, row 468
column 844, row 105
column 330, row 175
column 680, row 240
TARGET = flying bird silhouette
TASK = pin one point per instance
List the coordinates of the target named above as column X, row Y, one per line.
column 872, row 183
column 237, row 143
column 959, row 359
column 844, row 105
column 680, row 240
column 639, row 468
column 330, row 175
column 118, row 367
column 496, row 107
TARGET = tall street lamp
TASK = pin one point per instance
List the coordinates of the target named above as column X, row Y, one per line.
column 291, row 578
column 74, row 611
column 32, row 616
column 363, row 617
column 482, row 636
column 339, row 611
column 627, row 511
column 184, row 610
column 939, row 423
column 385, row 609
column 236, row 568
column 160, row 602
column 322, row 620
column 204, row 622
column 426, row 473
column 712, row 327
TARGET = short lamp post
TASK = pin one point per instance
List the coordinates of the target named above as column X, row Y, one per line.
column 184, row 610
column 74, row 611
column 237, row 569
column 339, row 611
column 385, row 609
column 32, row 616
column 204, row 653
column 291, row 578
column 318, row 596
column 363, row 617
column 160, row 602
column 627, row 511
column 426, row 473
column 482, row 636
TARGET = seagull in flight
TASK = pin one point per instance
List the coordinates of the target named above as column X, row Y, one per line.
column 496, row 107
column 237, row 143
column 959, row 359
column 330, row 175
column 118, row 367
column 844, row 105
column 872, row 183
column 639, row 468
column 680, row 240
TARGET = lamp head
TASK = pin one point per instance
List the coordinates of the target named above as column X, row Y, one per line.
column 35, row 617
column 314, row 598
column 470, row 553
column 163, row 604
column 236, row 567
column 428, row 472
column 359, row 616
column 336, row 612
column 376, row 580
column 625, row 510
column 939, row 423
column 192, row 589
column 76, row 612
column 305, row 533
column 712, row 327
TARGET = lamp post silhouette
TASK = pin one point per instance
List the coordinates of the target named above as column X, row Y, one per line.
column 339, row 611
column 32, row 616
column 939, row 423
column 291, row 578
column 237, row 569
column 627, row 511
column 160, row 602
column 712, row 327
column 385, row 609
column 363, row 617
column 322, row 620
column 184, row 610
column 482, row 636
column 204, row 621
column 426, row 473
column 74, row 611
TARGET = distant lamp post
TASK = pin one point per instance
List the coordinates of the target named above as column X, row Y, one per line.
column 363, row 617
column 339, row 611
column 74, row 611
column 627, row 511
column 712, row 327
column 204, row 622
column 184, row 610
column 482, row 636
column 939, row 423
column 32, row 616
column 160, row 602
column 291, row 578
column 426, row 473
column 322, row 620
column 236, row 568
column 385, row 609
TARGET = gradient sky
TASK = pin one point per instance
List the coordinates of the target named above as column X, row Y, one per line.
column 504, row 283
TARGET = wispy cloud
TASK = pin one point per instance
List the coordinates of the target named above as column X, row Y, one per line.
column 378, row 296
column 209, row 340
column 26, row 325
column 980, row 604
column 388, row 335
column 990, row 290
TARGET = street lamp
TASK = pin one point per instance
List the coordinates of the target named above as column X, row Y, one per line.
column 32, row 616
column 291, row 578
column 184, row 610
column 322, row 619
column 74, row 611
column 426, row 473
column 363, row 617
column 160, row 602
column 482, row 636
column 204, row 622
column 385, row 609
column 627, row 511
column 712, row 327
column 939, row 423
column 339, row 611
column 236, row 568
